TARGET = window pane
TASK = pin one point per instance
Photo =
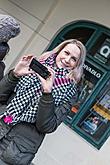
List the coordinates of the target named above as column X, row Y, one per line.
column 96, row 120
column 81, row 33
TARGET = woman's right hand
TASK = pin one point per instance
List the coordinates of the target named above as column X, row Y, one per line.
column 22, row 67
column 47, row 84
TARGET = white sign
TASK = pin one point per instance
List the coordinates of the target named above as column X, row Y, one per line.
column 92, row 71
column 105, row 51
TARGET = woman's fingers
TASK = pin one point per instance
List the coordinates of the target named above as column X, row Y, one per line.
column 22, row 67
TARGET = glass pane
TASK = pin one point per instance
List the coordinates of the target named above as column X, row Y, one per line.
column 96, row 120
column 90, row 78
column 81, row 33
column 101, row 49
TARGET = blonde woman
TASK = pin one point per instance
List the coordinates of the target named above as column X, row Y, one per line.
column 38, row 106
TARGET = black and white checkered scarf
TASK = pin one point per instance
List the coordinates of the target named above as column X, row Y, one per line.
column 29, row 90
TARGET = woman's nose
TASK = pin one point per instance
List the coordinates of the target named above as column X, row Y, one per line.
column 67, row 59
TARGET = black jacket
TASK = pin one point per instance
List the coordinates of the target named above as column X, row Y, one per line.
column 20, row 142
column 2, row 68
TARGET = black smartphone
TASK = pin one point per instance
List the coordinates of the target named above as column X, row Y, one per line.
column 39, row 68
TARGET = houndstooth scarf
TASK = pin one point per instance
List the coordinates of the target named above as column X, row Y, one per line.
column 29, row 90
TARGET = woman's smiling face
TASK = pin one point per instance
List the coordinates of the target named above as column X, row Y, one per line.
column 68, row 57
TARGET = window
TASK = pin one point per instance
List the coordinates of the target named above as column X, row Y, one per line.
column 81, row 33
column 95, row 122
column 92, row 74
column 101, row 49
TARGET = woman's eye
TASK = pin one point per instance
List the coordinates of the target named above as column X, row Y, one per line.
column 66, row 52
column 74, row 59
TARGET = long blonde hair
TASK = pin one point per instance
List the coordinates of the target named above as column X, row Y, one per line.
column 77, row 72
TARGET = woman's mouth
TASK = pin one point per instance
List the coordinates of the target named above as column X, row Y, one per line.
column 64, row 64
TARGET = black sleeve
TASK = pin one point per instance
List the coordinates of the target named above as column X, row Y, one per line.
column 49, row 117
column 7, row 85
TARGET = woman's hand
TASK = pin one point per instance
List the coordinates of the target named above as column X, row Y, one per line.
column 48, row 83
column 22, row 67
